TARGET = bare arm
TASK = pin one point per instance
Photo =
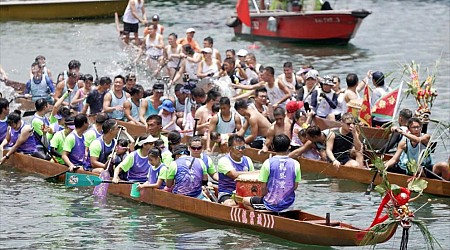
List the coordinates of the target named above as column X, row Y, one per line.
column 27, row 131
column 107, row 102
column 143, row 110
column 95, row 163
column 285, row 90
column 329, row 149
column 212, row 127
column 423, row 139
column 127, row 111
column 299, row 151
column 254, row 131
column 269, row 138
column 391, row 162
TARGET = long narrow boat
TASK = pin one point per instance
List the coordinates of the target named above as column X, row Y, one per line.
column 436, row 187
column 61, row 9
column 296, row 225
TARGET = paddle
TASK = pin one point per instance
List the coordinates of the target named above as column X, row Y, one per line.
column 101, row 190
column 86, row 180
column 59, row 174
column 370, row 187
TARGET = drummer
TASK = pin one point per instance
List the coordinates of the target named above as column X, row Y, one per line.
column 230, row 167
column 280, row 176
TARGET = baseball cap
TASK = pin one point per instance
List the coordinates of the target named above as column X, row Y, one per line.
column 70, row 123
column 207, row 50
column 312, row 74
column 167, row 105
column 327, row 80
column 158, row 87
column 378, row 76
column 242, row 52
column 180, row 149
column 303, row 71
column 293, row 106
column 189, row 30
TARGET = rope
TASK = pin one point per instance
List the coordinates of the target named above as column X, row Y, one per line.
column 404, row 242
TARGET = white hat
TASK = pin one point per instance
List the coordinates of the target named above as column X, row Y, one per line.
column 149, row 139
column 242, row 52
column 312, row 74
column 207, row 50
column 189, row 30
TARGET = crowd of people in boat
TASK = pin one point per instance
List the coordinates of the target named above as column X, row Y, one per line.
column 158, row 159
column 272, row 112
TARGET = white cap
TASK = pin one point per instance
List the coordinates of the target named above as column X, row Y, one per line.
column 207, row 50
column 242, row 52
column 149, row 139
column 312, row 74
column 189, row 30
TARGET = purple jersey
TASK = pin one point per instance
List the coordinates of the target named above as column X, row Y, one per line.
column 138, row 172
column 227, row 184
column 153, row 176
column 188, row 181
column 28, row 147
column 281, row 184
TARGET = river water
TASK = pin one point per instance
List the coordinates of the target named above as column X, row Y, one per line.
column 37, row 214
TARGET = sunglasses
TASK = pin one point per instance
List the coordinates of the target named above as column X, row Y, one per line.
column 73, row 74
column 196, row 148
column 239, row 147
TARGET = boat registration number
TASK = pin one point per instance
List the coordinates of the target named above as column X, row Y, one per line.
column 327, row 20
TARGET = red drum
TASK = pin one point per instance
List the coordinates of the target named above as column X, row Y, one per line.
column 247, row 185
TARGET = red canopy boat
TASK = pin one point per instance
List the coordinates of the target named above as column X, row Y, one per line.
column 297, row 25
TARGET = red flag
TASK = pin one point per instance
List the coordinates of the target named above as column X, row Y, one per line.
column 243, row 12
column 365, row 115
column 386, row 106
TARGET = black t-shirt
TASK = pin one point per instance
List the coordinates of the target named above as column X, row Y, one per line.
column 95, row 101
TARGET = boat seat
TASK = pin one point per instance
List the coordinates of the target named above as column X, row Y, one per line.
column 333, row 223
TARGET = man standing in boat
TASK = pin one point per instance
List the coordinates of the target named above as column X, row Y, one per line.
column 280, row 126
column 132, row 105
column 204, row 113
column 134, row 14
column 114, row 99
column 74, row 154
column 280, row 176
column 70, row 83
column 189, row 39
column 230, row 167
column 39, row 86
column 94, row 100
column 225, row 122
column 255, row 122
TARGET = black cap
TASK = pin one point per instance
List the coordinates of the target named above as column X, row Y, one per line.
column 180, row 149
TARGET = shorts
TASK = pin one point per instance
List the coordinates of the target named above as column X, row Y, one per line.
column 130, row 27
column 257, row 203
column 223, row 197
column 258, row 142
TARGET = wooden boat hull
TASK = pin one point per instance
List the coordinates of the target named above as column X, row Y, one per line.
column 294, row 225
column 436, row 187
column 322, row 27
column 64, row 9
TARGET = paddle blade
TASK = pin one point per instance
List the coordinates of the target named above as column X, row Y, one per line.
column 82, row 180
column 102, row 189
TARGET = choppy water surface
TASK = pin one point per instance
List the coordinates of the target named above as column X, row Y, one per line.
column 36, row 214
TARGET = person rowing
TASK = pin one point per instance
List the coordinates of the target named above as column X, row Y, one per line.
column 414, row 149
column 103, row 146
column 70, row 83
column 39, row 85
column 4, row 111
column 187, row 174
column 57, row 141
column 74, row 150
column 20, row 138
column 157, row 172
column 136, row 164
column 230, row 167
column 280, row 176
column 195, row 146
column 40, row 122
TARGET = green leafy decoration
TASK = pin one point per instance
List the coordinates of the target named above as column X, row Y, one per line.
column 412, row 166
column 431, row 242
column 418, row 185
